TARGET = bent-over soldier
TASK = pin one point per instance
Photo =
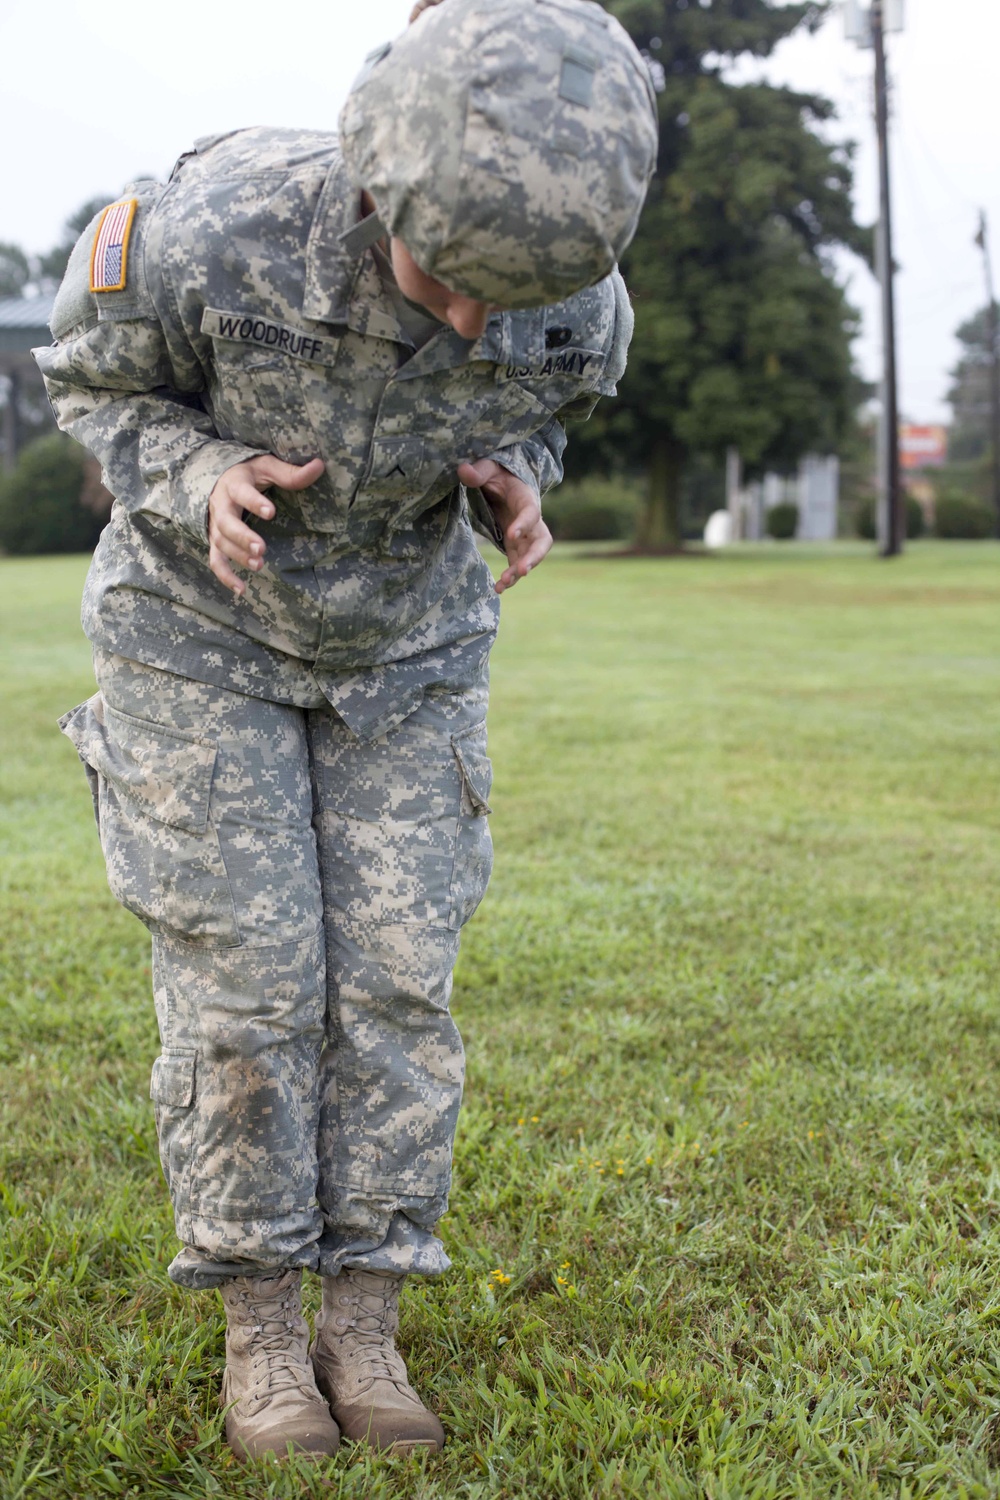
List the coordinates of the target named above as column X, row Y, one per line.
column 311, row 367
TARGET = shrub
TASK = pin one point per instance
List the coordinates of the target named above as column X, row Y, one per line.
column 593, row 510
column 40, row 509
column 782, row 521
column 588, row 523
column 864, row 520
column 916, row 523
column 959, row 518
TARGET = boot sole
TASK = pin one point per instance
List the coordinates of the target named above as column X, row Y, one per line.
column 246, row 1455
column 280, row 1455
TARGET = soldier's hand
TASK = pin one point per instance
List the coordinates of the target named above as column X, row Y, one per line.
column 526, row 537
column 230, row 539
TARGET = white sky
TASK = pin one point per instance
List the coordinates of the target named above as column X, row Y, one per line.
column 93, row 95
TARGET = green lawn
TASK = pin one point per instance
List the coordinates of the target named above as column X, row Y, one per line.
column 726, row 1220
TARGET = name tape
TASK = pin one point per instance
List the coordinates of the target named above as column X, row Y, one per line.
column 246, row 328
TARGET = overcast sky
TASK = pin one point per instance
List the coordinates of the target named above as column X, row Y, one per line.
column 94, row 95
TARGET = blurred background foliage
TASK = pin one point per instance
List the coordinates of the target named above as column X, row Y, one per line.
column 743, row 332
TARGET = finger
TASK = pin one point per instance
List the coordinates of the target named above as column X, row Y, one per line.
column 270, row 470
column 524, row 558
column 508, row 576
column 526, row 518
column 236, row 534
column 224, row 572
column 241, row 495
column 539, row 547
column 238, row 555
column 478, row 474
column 235, row 552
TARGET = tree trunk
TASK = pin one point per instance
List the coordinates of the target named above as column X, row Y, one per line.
column 659, row 528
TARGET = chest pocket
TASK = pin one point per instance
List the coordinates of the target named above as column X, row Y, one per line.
column 270, row 400
column 424, row 436
column 258, row 397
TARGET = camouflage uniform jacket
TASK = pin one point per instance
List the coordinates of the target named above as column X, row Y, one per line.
column 249, row 325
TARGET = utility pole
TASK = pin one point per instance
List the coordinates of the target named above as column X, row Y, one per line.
column 868, row 29
column 993, row 327
column 894, row 533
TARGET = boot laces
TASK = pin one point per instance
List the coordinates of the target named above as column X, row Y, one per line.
column 272, row 1351
column 373, row 1331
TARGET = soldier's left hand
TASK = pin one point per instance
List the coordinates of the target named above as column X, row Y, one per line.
column 526, row 537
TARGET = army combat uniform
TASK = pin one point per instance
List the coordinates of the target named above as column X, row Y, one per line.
column 292, row 785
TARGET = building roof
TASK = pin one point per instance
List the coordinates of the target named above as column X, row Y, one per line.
column 27, row 312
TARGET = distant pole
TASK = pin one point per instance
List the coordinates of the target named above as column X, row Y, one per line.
column 10, row 422
column 992, row 322
column 891, row 492
column 734, row 486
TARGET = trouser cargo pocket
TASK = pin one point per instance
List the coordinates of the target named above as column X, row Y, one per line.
column 171, row 1089
column 474, row 845
column 152, row 789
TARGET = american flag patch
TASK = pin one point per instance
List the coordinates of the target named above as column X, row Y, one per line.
column 109, row 259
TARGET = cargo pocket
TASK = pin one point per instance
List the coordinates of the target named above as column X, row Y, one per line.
column 161, row 849
column 171, row 1089
column 474, row 845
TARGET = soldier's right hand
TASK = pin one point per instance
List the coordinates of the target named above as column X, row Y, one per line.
column 239, row 489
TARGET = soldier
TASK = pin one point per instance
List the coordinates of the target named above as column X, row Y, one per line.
column 287, row 750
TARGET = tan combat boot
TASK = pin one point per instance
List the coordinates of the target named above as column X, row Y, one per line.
column 269, row 1386
column 358, row 1369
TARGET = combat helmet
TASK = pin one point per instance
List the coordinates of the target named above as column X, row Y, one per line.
column 507, row 143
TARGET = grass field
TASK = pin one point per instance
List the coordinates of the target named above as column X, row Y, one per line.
column 726, row 1220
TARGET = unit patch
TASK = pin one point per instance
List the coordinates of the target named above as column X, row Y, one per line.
column 247, row 328
column 109, row 257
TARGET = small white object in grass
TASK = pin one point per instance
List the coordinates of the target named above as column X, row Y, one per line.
column 719, row 529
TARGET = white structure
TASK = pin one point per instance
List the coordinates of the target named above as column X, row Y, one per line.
column 719, row 529
column 815, row 490
column 818, row 493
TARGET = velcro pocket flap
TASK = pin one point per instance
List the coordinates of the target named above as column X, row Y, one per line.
column 172, row 1082
column 167, row 772
column 475, row 765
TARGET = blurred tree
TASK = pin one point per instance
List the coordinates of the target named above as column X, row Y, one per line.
column 51, row 503
column 51, row 267
column 15, row 270
column 969, row 396
column 18, row 269
column 742, row 330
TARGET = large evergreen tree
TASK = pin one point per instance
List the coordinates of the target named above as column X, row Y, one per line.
column 742, row 331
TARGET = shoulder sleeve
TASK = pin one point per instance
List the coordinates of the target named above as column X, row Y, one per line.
column 114, row 385
column 621, row 337
column 537, row 460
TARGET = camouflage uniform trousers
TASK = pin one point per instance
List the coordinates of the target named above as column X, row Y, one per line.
column 305, row 891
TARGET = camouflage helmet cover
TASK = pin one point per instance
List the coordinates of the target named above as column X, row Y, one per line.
column 507, row 143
